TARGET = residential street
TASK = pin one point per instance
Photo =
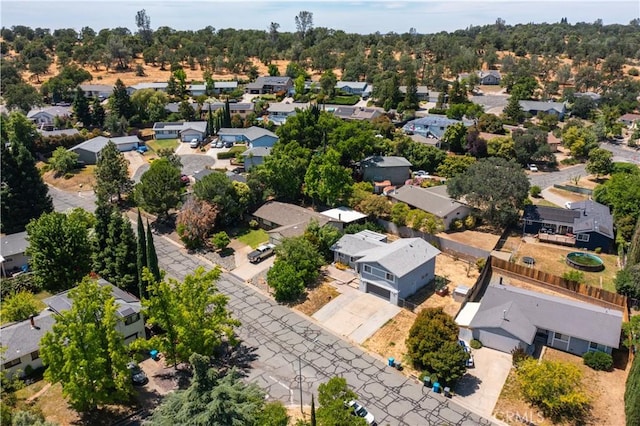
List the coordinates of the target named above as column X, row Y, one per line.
column 278, row 341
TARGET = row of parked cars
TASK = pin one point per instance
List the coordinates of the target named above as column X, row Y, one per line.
column 216, row 143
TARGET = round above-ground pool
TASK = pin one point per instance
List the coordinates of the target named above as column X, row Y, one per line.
column 585, row 261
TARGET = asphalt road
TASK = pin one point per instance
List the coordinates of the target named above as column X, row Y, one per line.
column 279, row 344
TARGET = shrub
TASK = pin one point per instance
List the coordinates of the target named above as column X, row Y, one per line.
column 518, row 355
column 457, row 225
column 475, row 344
column 535, row 191
column 480, row 263
column 470, row 222
column 597, row 360
column 633, row 72
column 20, row 306
column 576, row 276
column 570, row 161
column 253, row 224
column 598, row 250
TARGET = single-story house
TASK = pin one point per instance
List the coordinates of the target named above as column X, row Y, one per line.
column 429, row 140
column 185, row 131
column 158, row 86
column 255, row 156
column 553, row 142
column 434, row 200
column 174, row 107
column 366, row 93
column 269, row 84
column 283, row 220
column 351, row 87
column 397, row 270
column 422, row 92
column 591, row 95
column 47, row 115
column 57, row 132
column 343, row 216
column 280, row 111
column 630, row 120
column 357, row 113
column 558, row 109
column 254, row 136
column 488, row 78
column 235, row 108
column 100, row 91
column 89, row 151
column 22, row 339
column 224, row 86
column 378, row 168
column 197, row 89
column 586, row 224
column 431, row 126
column 348, row 248
column 12, row 253
column 510, row 317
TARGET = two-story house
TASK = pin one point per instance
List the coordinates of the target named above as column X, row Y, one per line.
column 377, row 168
column 269, row 84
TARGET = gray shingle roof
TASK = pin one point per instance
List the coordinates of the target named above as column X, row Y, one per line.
column 251, row 133
column 401, row 256
column 201, row 174
column 584, row 216
column 258, row 151
column 354, row 244
column 200, row 126
column 577, row 319
column 54, row 111
column 542, row 106
column 424, row 199
column 98, row 143
column 286, row 106
column 157, row 85
column 20, row 339
column 284, row 214
column 551, row 214
column 358, row 85
column 380, row 161
column 60, row 132
column 13, row 244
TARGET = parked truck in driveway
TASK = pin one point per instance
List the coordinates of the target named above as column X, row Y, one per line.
column 261, row 253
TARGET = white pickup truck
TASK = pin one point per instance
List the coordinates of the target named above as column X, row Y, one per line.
column 261, row 253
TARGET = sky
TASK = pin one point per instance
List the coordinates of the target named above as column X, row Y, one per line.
column 364, row 17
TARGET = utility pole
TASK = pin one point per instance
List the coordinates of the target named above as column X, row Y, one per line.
column 300, row 381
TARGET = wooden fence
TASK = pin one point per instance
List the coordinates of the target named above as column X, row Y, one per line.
column 581, row 291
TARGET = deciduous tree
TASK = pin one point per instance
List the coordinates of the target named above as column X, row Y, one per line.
column 600, row 162
column 326, row 180
column 63, row 161
column 332, row 396
column 285, row 281
column 217, row 189
column 20, row 306
column 159, row 188
column 195, row 220
column 454, row 165
column 304, row 255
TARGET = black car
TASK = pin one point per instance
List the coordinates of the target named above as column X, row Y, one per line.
column 138, row 377
column 228, row 144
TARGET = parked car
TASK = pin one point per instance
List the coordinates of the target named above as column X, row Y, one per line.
column 195, row 143
column 533, row 167
column 142, row 149
column 360, row 411
column 220, row 144
column 228, row 144
column 261, row 253
column 470, row 363
column 421, row 174
column 138, row 377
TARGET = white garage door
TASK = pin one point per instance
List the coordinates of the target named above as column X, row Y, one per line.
column 496, row 341
column 378, row 291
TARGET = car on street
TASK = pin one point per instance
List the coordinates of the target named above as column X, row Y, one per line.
column 360, row 411
column 138, row 377
column 195, row 143
column 533, row 167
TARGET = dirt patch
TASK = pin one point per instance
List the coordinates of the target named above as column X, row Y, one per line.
column 79, row 180
column 456, row 271
column 473, row 238
column 389, row 341
column 316, row 298
column 568, row 195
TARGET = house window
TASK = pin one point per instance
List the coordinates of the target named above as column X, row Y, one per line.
column 12, row 363
column 389, row 277
column 35, row 355
column 561, row 337
column 593, row 346
column 131, row 319
column 367, row 268
column 582, row 237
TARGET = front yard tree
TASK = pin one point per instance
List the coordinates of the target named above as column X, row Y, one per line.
column 221, row 240
column 285, row 281
column 120, row 267
column 331, row 396
column 495, row 186
column 177, row 306
column 600, row 162
column 217, row 189
column 63, row 161
column 195, row 220
column 326, row 180
column 59, row 249
column 23, row 193
column 85, row 352
column 159, row 188
column 97, row 113
column 120, row 101
column 112, row 174
column 304, row 255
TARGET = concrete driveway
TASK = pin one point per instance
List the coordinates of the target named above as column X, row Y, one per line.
column 245, row 269
column 480, row 388
column 355, row 315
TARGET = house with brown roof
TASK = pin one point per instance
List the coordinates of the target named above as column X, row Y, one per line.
column 630, row 120
column 284, row 220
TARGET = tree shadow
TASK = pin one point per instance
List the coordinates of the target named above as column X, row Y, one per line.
column 165, row 225
column 239, row 357
column 468, row 385
column 226, row 252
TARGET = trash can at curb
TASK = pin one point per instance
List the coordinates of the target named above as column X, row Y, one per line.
column 391, row 362
column 436, row 387
column 427, row 381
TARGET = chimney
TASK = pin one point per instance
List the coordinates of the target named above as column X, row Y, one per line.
column 504, row 314
column 33, row 322
column 340, row 217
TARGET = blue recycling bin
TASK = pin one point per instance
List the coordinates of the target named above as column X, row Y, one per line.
column 436, row 387
column 154, row 354
column 392, row 362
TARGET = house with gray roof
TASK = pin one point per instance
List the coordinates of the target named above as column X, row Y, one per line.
column 348, row 248
column 22, row 339
column 174, row 107
column 255, row 156
column 431, row 126
column 434, row 200
column 559, row 109
column 280, row 111
column 224, row 86
column 235, row 108
column 487, row 77
column 423, row 93
column 351, row 87
column 100, row 91
column 89, row 150
column 269, row 84
column 284, row 220
column 510, row 317
column 393, row 271
column 47, row 115
column 253, row 136
column 357, row 113
column 186, row 131
column 158, row 86
column 12, row 253
column 380, row 168
column 584, row 224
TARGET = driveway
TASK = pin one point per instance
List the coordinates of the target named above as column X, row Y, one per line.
column 355, row 315
column 480, row 388
column 245, row 269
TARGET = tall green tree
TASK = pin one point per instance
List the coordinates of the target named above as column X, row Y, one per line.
column 22, row 130
column 326, row 180
column 59, row 249
column 99, row 240
column 176, row 306
column 286, row 283
column 159, row 188
column 455, row 137
column 513, row 111
column 152, row 256
column 301, row 253
column 217, row 189
column 600, row 162
column 63, row 161
column 112, row 175
column 23, row 194
column 141, row 256
column 120, row 267
column 97, row 113
column 81, row 108
column 84, row 351
column 331, row 396
column 120, row 101
column 495, row 186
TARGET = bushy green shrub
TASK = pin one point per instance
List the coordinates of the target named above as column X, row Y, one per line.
column 598, row 250
column 480, row 264
column 598, row 360
column 475, row 344
column 535, row 191
column 253, row 224
column 518, row 355
column 457, row 225
column 633, row 72
column 470, row 222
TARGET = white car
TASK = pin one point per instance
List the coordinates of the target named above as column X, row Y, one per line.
column 360, row 411
column 421, row 174
column 533, row 167
column 195, row 143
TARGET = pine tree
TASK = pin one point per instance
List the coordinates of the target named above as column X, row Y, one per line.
column 23, row 193
column 125, row 262
column 121, row 101
column 81, row 108
column 152, row 257
column 97, row 113
column 103, row 215
column 141, row 256
column 112, row 174
column 226, row 114
column 211, row 126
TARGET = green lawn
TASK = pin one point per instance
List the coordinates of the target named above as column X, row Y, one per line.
column 254, row 237
column 157, row 145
